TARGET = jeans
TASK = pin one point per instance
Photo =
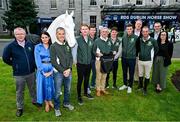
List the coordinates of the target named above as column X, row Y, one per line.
column 128, row 64
column 60, row 79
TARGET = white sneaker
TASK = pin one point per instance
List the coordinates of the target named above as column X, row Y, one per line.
column 88, row 91
column 123, row 87
column 129, row 90
column 69, row 106
column 61, row 93
column 57, row 112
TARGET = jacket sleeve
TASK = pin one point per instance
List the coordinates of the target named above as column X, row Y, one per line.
column 7, row 55
column 94, row 47
column 170, row 49
column 38, row 59
column 119, row 53
column 55, row 61
column 156, row 47
column 71, row 60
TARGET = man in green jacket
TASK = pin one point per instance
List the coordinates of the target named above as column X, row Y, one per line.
column 115, row 48
column 101, row 47
column 62, row 60
column 84, row 56
column 148, row 48
column 129, row 42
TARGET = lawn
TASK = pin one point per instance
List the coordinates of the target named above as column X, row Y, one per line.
column 118, row 106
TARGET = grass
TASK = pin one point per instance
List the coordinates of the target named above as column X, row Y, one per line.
column 114, row 107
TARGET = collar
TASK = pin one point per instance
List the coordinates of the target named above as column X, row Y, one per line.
column 104, row 39
column 146, row 39
column 60, row 43
column 22, row 44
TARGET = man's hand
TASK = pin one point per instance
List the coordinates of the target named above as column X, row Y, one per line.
column 99, row 54
column 67, row 72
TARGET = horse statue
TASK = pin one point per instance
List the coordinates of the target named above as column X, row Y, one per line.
column 65, row 21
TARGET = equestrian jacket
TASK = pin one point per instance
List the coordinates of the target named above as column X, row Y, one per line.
column 129, row 46
column 146, row 48
column 61, row 56
column 84, row 50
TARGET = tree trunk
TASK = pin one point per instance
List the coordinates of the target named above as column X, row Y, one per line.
column 27, row 28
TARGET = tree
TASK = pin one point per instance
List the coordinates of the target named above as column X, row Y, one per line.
column 21, row 13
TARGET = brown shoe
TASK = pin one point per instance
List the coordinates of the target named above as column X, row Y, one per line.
column 104, row 92
column 98, row 93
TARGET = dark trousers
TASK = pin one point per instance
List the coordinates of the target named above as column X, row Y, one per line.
column 93, row 78
column 173, row 39
column 128, row 64
column 83, row 72
column 114, row 71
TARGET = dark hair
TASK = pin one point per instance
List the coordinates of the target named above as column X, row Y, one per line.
column 159, row 37
column 46, row 33
column 129, row 25
column 114, row 28
column 92, row 26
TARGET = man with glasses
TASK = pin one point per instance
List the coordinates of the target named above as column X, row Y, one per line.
column 157, row 30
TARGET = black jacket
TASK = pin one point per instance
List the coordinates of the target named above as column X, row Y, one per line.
column 21, row 59
column 168, row 54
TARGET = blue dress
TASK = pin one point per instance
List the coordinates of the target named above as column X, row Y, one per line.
column 44, row 85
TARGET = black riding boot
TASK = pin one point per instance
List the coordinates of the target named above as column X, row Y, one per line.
column 140, row 85
column 146, row 82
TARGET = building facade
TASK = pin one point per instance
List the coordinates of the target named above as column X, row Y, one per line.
column 3, row 8
column 104, row 12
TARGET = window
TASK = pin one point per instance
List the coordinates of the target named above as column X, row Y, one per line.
column 128, row 1
column 71, row 4
column 162, row 2
column 93, row 2
column 4, row 29
column 139, row 2
column 1, row 4
column 93, row 20
column 115, row 2
column 53, row 4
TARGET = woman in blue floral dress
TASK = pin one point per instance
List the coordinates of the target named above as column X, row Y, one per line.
column 44, row 76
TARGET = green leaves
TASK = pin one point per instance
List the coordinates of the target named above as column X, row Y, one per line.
column 21, row 13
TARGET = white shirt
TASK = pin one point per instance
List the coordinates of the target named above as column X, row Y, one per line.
column 156, row 35
column 104, row 39
column 137, row 33
column 22, row 44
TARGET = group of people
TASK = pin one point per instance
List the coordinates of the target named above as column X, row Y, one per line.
column 139, row 51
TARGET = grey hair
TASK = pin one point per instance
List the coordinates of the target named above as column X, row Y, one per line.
column 20, row 29
column 60, row 28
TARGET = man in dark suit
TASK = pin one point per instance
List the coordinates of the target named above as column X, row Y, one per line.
column 157, row 30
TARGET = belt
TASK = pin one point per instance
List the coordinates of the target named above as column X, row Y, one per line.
column 46, row 62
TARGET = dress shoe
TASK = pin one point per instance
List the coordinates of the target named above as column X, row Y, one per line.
column 104, row 92
column 19, row 112
column 98, row 93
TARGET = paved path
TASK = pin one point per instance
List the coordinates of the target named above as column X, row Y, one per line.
column 176, row 53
